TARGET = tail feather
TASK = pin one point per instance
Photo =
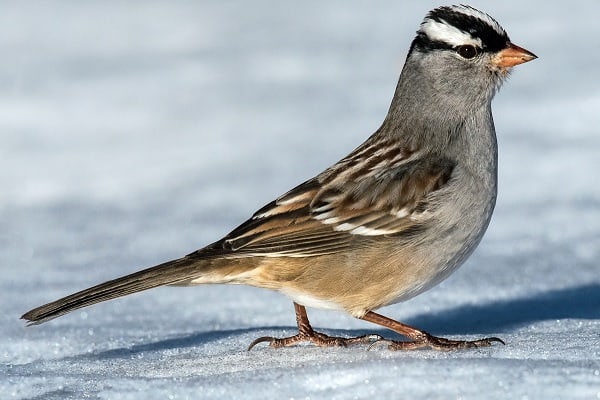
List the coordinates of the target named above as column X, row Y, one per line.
column 170, row 272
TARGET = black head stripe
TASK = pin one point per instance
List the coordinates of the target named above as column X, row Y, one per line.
column 466, row 19
column 423, row 43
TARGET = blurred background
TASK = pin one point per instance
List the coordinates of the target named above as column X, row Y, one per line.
column 135, row 132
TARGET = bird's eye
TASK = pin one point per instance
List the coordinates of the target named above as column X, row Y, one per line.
column 467, row 51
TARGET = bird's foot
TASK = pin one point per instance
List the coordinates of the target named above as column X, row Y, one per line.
column 436, row 343
column 316, row 338
column 307, row 334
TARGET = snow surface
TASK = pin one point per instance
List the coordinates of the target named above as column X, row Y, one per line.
column 136, row 132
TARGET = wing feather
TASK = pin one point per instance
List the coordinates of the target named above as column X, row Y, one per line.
column 359, row 196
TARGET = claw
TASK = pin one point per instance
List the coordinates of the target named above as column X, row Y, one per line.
column 495, row 339
column 261, row 340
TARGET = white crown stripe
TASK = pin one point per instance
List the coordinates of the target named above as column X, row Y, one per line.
column 444, row 32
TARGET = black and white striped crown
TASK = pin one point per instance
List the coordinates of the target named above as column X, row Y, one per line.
column 451, row 26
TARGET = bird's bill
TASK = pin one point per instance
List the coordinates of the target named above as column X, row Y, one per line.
column 512, row 55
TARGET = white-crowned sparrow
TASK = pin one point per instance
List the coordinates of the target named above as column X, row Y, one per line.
column 392, row 219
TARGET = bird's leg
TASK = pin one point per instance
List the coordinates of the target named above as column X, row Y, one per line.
column 421, row 339
column 307, row 334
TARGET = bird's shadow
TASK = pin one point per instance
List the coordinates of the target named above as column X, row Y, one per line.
column 582, row 302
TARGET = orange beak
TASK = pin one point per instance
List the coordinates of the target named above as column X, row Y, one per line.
column 512, row 55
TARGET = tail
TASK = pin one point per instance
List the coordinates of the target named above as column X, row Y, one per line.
column 171, row 272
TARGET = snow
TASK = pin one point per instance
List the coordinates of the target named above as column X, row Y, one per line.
column 136, row 132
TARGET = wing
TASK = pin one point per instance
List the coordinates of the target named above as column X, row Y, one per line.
column 369, row 193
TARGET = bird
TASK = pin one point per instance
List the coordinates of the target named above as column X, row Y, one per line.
column 392, row 219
